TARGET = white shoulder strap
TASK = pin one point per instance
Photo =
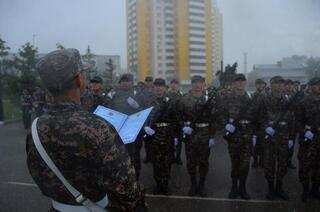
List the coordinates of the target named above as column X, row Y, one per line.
column 75, row 193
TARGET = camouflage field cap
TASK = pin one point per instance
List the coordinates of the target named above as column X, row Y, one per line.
column 126, row 78
column 277, row 80
column 314, row 81
column 58, row 68
column 148, row 79
column 197, row 78
column 239, row 77
column 159, row 82
column 260, row 82
column 96, row 79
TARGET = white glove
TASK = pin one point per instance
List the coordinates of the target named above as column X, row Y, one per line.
column 290, row 144
column 149, row 131
column 230, row 128
column 133, row 103
column 254, row 140
column 309, row 135
column 211, row 143
column 187, row 130
column 176, row 141
column 270, row 131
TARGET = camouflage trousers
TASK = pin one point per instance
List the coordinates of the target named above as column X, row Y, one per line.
column 276, row 153
column 198, row 152
column 309, row 162
column 240, row 153
column 162, row 154
column 257, row 151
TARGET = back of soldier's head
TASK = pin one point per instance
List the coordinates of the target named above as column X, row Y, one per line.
column 59, row 69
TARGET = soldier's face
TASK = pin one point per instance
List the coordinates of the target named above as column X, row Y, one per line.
column 159, row 90
column 276, row 87
column 260, row 87
column 315, row 89
column 239, row 85
column 126, row 85
column 97, row 87
column 198, row 87
column 174, row 86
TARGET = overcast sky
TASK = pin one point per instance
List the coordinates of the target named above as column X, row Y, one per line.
column 266, row 30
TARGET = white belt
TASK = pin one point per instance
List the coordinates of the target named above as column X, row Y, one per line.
column 75, row 208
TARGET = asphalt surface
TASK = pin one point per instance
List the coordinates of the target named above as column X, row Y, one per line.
column 19, row 193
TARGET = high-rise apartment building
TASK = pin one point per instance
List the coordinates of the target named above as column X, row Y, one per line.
column 171, row 38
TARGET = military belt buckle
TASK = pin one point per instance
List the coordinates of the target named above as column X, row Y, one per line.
column 162, row 124
column 202, row 125
column 80, row 199
column 244, row 122
column 283, row 123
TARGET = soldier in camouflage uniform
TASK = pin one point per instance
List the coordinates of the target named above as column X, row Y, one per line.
column 147, row 95
column 290, row 92
column 200, row 124
column 86, row 149
column 278, row 122
column 309, row 151
column 176, row 94
column 125, row 100
column 26, row 103
column 257, row 97
column 239, row 133
column 94, row 96
column 162, row 129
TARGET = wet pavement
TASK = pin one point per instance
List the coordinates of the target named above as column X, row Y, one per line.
column 19, row 193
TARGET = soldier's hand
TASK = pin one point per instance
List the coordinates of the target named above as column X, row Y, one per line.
column 176, row 141
column 290, row 144
column 308, row 135
column 187, row 130
column 270, row 131
column 254, row 140
column 230, row 128
column 133, row 103
column 211, row 143
column 149, row 131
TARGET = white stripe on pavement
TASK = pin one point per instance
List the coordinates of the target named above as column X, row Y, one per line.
column 173, row 196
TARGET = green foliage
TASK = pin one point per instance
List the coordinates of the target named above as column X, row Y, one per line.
column 313, row 67
column 60, row 46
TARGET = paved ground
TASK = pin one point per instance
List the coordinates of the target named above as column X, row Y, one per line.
column 18, row 192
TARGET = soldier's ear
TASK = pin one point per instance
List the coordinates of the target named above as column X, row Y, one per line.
column 80, row 81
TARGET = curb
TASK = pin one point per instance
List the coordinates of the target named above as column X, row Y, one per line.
column 12, row 121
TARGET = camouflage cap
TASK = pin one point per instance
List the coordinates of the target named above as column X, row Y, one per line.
column 239, row 77
column 58, row 68
column 96, row 79
column 289, row 82
column 314, row 81
column 148, row 79
column 126, row 78
column 159, row 82
column 197, row 78
column 174, row 81
column 277, row 80
column 260, row 81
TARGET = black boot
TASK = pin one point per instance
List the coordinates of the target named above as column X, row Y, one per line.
column 193, row 188
column 271, row 195
column 201, row 188
column 234, row 189
column 165, row 187
column 315, row 191
column 242, row 190
column 280, row 192
column 157, row 189
column 305, row 192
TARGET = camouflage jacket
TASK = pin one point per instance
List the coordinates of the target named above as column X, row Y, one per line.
column 26, row 99
column 240, row 111
column 276, row 111
column 119, row 101
column 309, row 113
column 91, row 101
column 90, row 155
column 192, row 109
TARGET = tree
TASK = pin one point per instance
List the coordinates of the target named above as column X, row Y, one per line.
column 88, row 57
column 313, row 67
column 25, row 63
column 60, row 46
column 108, row 73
